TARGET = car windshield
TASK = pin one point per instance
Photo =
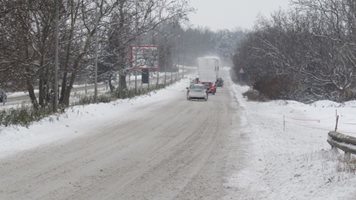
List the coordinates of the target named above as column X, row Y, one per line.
column 197, row 88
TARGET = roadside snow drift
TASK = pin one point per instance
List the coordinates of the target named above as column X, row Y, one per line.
column 288, row 156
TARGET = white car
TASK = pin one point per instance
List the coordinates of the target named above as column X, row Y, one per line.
column 197, row 91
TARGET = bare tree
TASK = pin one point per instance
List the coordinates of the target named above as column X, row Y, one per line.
column 314, row 43
column 132, row 20
column 85, row 21
column 26, row 34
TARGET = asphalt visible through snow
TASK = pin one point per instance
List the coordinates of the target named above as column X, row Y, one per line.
column 174, row 151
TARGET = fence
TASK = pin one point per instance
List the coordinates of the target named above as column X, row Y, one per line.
column 344, row 142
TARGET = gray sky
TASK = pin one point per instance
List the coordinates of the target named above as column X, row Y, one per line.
column 231, row 14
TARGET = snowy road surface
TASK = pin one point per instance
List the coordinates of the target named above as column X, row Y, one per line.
column 174, row 149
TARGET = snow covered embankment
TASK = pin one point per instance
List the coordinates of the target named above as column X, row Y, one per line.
column 293, row 161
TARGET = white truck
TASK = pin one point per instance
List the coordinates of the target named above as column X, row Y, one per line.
column 208, row 69
column 208, row 72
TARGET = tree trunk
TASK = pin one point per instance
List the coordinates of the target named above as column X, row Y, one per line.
column 73, row 76
column 43, row 83
column 66, row 66
column 111, row 86
column 68, row 90
column 42, row 92
column 76, row 66
column 122, row 81
column 31, row 93
column 73, row 14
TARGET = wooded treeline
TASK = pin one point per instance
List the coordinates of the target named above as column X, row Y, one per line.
column 90, row 30
column 305, row 54
column 28, row 34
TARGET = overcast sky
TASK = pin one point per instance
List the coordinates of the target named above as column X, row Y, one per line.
column 231, row 14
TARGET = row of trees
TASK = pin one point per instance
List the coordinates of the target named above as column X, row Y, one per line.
column 305, row 54
column 86, row 30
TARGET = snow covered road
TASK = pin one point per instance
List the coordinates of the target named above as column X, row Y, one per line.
column 169, row 148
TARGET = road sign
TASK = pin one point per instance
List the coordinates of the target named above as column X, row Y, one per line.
column 144, row 57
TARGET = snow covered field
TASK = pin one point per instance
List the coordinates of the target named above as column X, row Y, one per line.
column 292, row 161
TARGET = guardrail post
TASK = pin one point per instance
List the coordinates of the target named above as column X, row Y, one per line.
column 337, row 122
column 334, row 149
column 347, row 156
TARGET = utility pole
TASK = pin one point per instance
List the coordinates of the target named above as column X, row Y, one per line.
column 96, row 70
column 182, row 53
column 157, row 83
column 183, row 71
column 178, row 60
column 137, row 42
column 135, row 81
column 165, row 73
column 56, row 61
column 96, row 56
column 165, row 63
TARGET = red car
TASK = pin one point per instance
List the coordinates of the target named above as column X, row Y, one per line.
column 210, row 87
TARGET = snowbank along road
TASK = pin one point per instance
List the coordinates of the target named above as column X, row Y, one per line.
column 175, row 149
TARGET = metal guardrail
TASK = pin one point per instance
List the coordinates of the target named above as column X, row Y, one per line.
column 344, row 142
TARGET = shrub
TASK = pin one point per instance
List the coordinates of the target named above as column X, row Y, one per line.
column 90, row 99
column 23, row 116
column 254, row 95
column 274, row 88
column 130, row 93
